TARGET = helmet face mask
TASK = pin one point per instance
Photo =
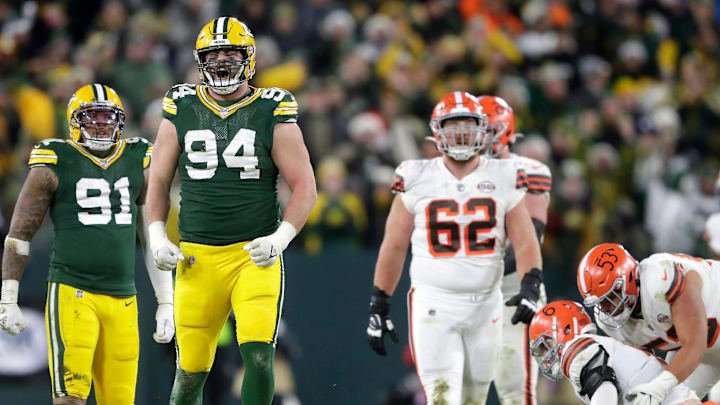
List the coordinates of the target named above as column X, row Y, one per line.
column 454, row 131
column 613, row 308
column 99, row 125
column 546, row 351
column 233, row 37
column 95, row 117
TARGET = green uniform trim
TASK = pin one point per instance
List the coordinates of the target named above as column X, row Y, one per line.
column 57, row 347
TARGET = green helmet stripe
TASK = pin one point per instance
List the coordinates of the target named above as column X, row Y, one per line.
column 95, row 92
column 225, row 22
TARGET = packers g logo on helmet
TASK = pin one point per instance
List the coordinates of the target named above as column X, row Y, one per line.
column 95, row 117
column 226, row 33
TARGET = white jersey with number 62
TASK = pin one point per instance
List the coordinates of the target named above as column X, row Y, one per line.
column 459, row 236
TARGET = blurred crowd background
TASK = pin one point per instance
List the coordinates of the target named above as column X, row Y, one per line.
column 621, row 98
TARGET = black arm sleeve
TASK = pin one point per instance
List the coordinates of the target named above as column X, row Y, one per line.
column 591, row 378
column 510, row 262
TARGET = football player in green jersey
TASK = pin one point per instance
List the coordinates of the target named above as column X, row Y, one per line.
column 229, row 141
column 94, row 185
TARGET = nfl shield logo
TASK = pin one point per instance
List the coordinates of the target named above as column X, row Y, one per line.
column 191, row 259
column 79, row 294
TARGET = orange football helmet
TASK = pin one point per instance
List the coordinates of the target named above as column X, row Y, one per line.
column 501, row 123
column 551, row 328
column 608, row 282
column 459, row 142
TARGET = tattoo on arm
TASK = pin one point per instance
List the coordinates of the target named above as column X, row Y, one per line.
column 35, row 197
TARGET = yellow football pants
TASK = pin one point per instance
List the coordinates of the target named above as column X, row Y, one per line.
column 210, row 282
column 92, row 338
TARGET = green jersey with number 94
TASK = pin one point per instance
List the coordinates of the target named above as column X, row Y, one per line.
column 228, row 178
column 93, row 211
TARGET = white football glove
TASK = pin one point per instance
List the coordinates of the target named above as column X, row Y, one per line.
column 165, row 329
column 11, row 318
column 653, row 392
column 264, row 251
column 165, row 253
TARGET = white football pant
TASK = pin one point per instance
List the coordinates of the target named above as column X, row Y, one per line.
column 455, row 340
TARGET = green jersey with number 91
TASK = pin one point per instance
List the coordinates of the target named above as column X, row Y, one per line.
column 93, row 211
column 229, row 180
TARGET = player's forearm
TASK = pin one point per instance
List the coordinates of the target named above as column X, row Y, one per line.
column 388, row 269
column 527, row 255
column 160, row 280
column 13, row 265
column 304, row 194
column 687, row 359
column 158, row 200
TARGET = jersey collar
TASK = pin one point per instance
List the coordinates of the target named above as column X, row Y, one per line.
column 220, row 111
column 106, row 162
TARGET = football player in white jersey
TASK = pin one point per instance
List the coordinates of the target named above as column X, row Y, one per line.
column 668, row 302
column 516, row 380
column 600, row 369
column 457, row 210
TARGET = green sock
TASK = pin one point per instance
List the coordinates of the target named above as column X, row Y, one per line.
column 259, row 384
column 187, row 388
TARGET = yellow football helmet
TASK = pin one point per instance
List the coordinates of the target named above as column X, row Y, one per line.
column 95, row 117
column 227, row 33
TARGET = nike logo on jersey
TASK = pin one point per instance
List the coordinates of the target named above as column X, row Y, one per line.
column 665, row 276
column 127, row 304
column 495, row 319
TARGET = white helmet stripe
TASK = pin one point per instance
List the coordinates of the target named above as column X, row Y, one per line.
column 581, row 274
column 99, row 91
column 458, row 98
column 554, row 328
column 220, row 24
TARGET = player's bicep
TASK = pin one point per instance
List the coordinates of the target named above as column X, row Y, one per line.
column 165, row 155
column 399, row 225
column 32, row 203
column 291, row 156
column 517, row 224
column 688, row 311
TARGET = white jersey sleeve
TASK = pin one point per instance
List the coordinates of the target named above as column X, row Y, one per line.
column 579, row 354
column 537, row 178
column 405, row 180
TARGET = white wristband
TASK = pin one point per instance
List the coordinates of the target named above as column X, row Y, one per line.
column 284, row 234
column 9, row 293
column 21, row 247
column 156, row 231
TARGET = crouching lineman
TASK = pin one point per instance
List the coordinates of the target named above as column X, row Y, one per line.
column 457, row 210
column 667, row 302
column 600, row 369
column 516, row 380
column 94, row 185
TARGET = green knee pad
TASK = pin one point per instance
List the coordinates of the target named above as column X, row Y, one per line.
column 187, row 388
column 259, row 384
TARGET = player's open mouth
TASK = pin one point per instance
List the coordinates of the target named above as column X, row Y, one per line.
column 223, row 74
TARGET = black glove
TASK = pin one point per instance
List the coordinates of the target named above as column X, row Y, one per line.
column 526, row 299
column 380, row 322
